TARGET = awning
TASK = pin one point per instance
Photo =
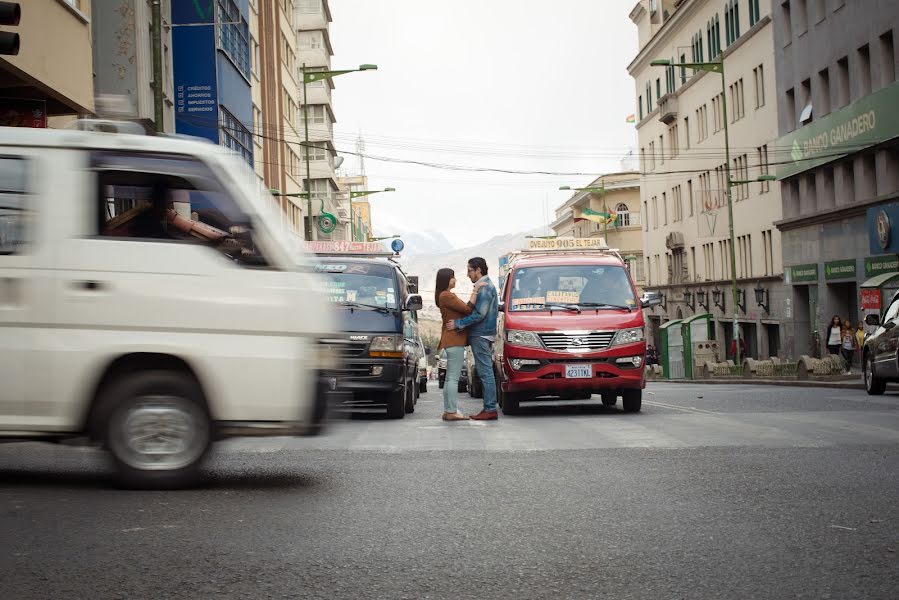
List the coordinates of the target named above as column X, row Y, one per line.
column 879, row 281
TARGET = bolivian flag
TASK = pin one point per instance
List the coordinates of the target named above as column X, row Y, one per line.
column 631, row 118
column 603, row 218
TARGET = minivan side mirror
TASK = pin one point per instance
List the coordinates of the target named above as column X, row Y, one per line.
column 650, row 299
column 414, row 303
column 428, row 350
column 872, row 320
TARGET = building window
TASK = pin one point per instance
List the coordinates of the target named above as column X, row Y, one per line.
column 678, row 203
column 754, row 13
column 234, row 35
column 309, row 6
column 316, row 113
column 665, row 206
column 790, row 109
column 765, row 186
column 254, row 56
column 624, row 215
column 658, row 89
column 661, row 150
column 652, row 154
column 787, row 22
column 235, row 135
column 758, row 75
column 648, row 97
column 824, row 91
column 887, row 59
column 258, row 132
column 316, row 151
column 690, row 195
column 864, row 71
column 655, row 212
column 646, row 219
column 640, row 103
column 736, row 99
column 683, row 70
column 288, row 57
column 687, row 133
column 801, row 17
column 312, row 40
column 672, row 139
column 843, row 81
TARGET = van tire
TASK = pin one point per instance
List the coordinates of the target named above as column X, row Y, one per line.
column 874, row 386
column 410, row 397
column 631, row 400
column 151, row 399
column 396, row 404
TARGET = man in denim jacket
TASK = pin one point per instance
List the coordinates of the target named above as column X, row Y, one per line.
column 482, row 333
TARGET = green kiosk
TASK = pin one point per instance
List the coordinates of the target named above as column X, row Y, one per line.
column 672, row 350
column 698, row 347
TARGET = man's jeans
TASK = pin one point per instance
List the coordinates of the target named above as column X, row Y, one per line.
column 482, row 349
column 455, row 355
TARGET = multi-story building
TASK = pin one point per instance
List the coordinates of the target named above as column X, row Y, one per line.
column 621, row 195
column 358, row 225
column 681, row 130
column 276, row 108
column 51, row 74
column 123, row 57
column 211, row 66
column 838, row 159
column 313, row 19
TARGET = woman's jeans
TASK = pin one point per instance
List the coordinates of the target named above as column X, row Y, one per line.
column 454, row 357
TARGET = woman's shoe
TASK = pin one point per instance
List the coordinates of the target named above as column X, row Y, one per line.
column 454, row 416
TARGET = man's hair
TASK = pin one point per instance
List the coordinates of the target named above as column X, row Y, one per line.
column 478, row 263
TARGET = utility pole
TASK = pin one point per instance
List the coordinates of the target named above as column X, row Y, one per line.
column 158, row 111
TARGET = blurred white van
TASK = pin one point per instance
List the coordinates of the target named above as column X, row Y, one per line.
column 150, row 301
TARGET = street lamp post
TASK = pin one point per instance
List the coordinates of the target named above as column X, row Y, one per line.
column 385, row 237
column 359, row 194
column 602, row 194
column 310, row 77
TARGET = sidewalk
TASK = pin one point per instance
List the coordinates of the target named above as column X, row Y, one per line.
column 839, row 384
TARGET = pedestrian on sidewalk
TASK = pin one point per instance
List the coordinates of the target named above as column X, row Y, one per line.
column 482, row 334
column 834, row 335
column 452, row 341
column 860, row 341
column 849, row 344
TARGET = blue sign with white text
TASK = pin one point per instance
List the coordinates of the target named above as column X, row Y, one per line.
column 196, row 87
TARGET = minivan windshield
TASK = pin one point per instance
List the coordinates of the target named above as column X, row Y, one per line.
column 559, row 286
column 356, row 284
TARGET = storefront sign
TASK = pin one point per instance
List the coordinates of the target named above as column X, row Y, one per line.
column 16, row 112
column 567, row 244
column 870, row 299
column 804, row 273
column 840, row 269
column 864, row 123
column 877, row 265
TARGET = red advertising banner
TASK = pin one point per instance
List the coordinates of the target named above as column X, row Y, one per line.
column 345, row 247
column 18, row 112
column 871, row 299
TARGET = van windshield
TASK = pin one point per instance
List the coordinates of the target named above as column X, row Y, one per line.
column 593, row 286
column 361, row 284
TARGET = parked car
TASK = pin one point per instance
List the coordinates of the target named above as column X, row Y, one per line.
column 441, row 369
column 475, row 389
column 463, row 380
column 152, row 304
column 880, row 354
column 463, row 375
column 423, row 368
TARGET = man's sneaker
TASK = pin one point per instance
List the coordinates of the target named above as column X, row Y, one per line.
column 484, row 415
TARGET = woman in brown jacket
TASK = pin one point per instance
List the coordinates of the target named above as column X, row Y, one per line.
column 453, row 342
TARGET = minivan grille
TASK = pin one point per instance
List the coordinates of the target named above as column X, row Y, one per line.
column 346, row 348
column 577, row 342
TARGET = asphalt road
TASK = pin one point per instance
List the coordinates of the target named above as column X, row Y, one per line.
column 710, row 492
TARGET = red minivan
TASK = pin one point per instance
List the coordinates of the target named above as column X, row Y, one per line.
column 570, row 326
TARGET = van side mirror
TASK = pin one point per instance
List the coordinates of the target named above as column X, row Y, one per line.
column 428, row 351
column 650, row 299
column 414, row 303
column 872, row 320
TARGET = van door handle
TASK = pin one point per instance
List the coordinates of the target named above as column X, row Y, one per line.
column 90, row 285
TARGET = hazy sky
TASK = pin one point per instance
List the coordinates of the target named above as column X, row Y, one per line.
column 507, row 84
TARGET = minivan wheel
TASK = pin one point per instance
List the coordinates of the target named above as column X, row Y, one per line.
column 396, row 404
column 158, row 429
column 873, row 385
column 631, row 400
column 410, row 397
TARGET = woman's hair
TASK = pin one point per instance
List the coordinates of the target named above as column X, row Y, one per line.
column 443, row 279
column 837, row 317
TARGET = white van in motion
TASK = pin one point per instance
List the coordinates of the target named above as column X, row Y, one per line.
column 149, row 302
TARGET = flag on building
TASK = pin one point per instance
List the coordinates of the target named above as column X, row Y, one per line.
column 632, row 118
column 603, row 218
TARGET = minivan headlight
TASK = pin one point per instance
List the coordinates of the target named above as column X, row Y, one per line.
column 523, row 338
column 628, row 336
column 386, row 346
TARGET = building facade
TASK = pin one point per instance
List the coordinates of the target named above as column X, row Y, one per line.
column 313, row 20
column 838, row 158
column 123, row 57
column 621, row 196
column 358, row 226
column 683, row 115
column 47, row 78
column 211, row 68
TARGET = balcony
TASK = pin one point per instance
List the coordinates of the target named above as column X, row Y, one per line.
column 314, row 57
column 318, row 131
column 668, row 109
column 312, row 14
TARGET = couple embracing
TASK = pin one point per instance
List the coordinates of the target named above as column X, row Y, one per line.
column 472, row 323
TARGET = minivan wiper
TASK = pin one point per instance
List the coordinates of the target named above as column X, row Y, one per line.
column 381, row 309
column 571, row 307
column 604, row 305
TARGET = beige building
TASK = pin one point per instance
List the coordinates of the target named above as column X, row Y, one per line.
column 358, row 225
column 48, row 76
column 277, row 123
column 622, row 195
column 681, row 131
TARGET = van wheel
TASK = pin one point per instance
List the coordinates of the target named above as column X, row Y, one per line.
column 873, row 385
column 631, row 400
column 157, row 429
column 396, row 404
column 410, row 397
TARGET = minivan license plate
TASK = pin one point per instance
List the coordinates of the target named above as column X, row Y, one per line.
column 578, row 371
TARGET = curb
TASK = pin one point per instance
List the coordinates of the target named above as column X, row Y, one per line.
column 838, row 385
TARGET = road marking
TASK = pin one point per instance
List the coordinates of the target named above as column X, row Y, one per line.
column 689, row 409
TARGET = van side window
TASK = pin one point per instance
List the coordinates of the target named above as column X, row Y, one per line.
column 157, row 197
column 15, row 208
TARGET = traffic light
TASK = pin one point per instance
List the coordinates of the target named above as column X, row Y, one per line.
column 10, row 13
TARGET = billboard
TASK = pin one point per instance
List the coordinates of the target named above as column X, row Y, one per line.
column 194, row 69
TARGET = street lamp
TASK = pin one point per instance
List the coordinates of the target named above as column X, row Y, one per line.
column 761, row 297
column 312, row 77
column 606, row 215
column 378, row 239
column 359, row 194
column 718, row 67
column 702, row 298
column 688, row 300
